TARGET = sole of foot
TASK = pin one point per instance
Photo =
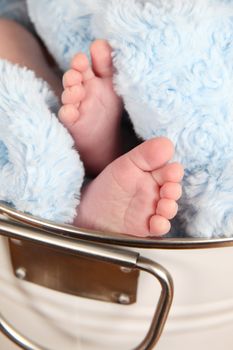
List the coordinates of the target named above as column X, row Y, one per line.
column 136, row 194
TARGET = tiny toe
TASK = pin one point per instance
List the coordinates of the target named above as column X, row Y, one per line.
column 81, row 63
column 73, row 95
column 101, row 55
column 172, row 172
column 159, row 225
column 68, row 114
column 167, row 208
column 171, row 190
column 71, row 78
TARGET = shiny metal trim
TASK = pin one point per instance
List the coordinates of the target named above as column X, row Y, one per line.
column 55, row 270
column 98, row 251
column 164, row 303
column 114, row 238
column 125, row 258
column 16, row 337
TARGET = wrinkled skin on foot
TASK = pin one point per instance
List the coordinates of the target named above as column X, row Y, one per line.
column 136, row 194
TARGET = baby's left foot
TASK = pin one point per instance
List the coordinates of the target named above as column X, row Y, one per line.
column 91, row 109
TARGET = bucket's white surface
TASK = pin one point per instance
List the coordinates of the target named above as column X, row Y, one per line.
column 201, row 317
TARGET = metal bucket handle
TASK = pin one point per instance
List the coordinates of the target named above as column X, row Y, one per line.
column 24, row 227
column 115, row 238
column 14, row 224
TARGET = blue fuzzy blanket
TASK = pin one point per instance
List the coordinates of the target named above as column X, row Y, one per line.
column 174, row 71
column 40, row 172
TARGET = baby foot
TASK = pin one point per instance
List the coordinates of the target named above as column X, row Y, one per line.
column 136, row 194
column 91, row 109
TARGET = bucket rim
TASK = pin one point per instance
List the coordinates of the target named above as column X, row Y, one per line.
column 7, row 213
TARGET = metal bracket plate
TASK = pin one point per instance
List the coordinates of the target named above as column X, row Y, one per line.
column 72, row 274
column 22, row 227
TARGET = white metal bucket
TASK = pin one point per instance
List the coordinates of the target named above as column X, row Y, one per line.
column 201, row 316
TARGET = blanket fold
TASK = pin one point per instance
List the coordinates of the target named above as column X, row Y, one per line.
column 40, row 172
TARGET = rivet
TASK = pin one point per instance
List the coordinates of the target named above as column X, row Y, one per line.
column 20, row 273
column 16, row 241
column 124, row 299
column 125, row 269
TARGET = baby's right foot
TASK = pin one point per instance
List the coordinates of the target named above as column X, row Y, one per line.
column 91, row 109
column 135, row 194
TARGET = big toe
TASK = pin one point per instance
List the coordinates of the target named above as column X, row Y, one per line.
column 101, row 58
column 152, row 154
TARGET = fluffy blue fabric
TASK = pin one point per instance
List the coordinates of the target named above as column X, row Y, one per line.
column 174, row 63
column 40, row 172
column 64, row 26
column 175, row 74
column 15, row 10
